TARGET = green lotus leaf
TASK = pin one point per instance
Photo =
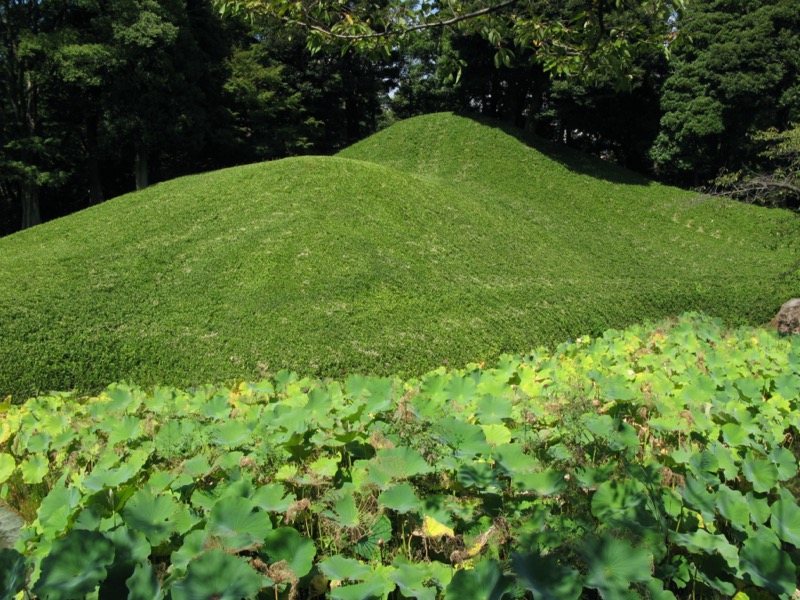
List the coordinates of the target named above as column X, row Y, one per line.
column 618, row 500
column 216, row 407
column 592, row 477
column 38, row 443
column 101, row 478
column 786, row 521
column 75, row 565
column 231, row 434
column 600, row 425
column 703, row 542
column 714, row 572
column 512, row 459
column 766, row 565
column 272, row 498
column 704, row 462
column 57, row 507
column 120, row 398
column 493, row 410
column 196, row 466
column 12, row 572
column 153, row 515
column 325, row 466
column 373, row 589
column 397, row 463
column 124, row 429
column 464, row 438
column 657, row 592
column 758, row 507
column 400, row 498
column 497, row 435
column 616, row 387
column 480, row 475
column 696, row 494
column 344, row 511
column 733, row 506
column 613, row 565
column 546, row 577
column 787, row 385
column 285, row 543
column 217, row 575
column 763, row 474
column 7, row 466
column 143, row 584
column 340, row 568
column 379, row 532
column 34, row 469
column 735, row 436
column 237, row 523
column 485, row 582
column 550, row 482
column 726, row 461
column 461, row 390
column 411, row 579
column 785, row 462
column 130, row 547
column 193, row 545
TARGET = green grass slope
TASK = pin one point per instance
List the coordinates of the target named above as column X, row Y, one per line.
column 439, row 240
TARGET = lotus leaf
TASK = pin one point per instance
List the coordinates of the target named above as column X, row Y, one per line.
column 12, row 572
column 237, row 523
column 766, row 565
column 485, row 582
column 547, row 577
column 340, row 568
column 143, row 584
column 786, row 521
column 216, row 575
column 285, row 543
column 153, row 515
column 763, row 474
column 400, row 498
column 613, row 565
column 75, row 565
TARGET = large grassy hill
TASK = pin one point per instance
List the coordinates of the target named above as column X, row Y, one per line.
column 440, row 240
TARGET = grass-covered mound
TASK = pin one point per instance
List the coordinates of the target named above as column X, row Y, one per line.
column 656, row 462
column 439, row 240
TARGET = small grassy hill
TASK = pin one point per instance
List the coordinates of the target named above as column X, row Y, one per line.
column 439, row 240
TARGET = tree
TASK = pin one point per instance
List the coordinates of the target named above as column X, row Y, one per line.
column 773, row 178
column 90, row 88
column 579, row 37
column 286, row 101
column 737, row 72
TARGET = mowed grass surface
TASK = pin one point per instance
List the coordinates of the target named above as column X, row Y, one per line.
column 441, row 240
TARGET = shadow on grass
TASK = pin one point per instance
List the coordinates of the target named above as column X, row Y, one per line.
column 570, row 158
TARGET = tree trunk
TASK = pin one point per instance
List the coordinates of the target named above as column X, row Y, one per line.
column 140, row 167
column 30, row 205
column 92, row 161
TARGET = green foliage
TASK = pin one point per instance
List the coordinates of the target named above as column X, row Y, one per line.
column 617, row 476
column 736, row 74
column 444, row 239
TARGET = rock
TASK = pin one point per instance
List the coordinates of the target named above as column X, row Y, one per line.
column 787, row 321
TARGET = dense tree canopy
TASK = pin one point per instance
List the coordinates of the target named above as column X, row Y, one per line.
column 582, row 37
column 738, row 72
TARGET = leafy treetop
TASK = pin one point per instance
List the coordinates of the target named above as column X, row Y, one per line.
column 579, row 38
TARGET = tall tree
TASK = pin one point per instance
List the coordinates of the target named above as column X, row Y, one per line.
column 737, row 72
column 26, row 152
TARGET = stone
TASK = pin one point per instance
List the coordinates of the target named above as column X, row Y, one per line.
column 787, row 321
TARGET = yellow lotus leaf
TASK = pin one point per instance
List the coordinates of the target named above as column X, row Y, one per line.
column 432, row 528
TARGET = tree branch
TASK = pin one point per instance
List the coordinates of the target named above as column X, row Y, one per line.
column 390, row 32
